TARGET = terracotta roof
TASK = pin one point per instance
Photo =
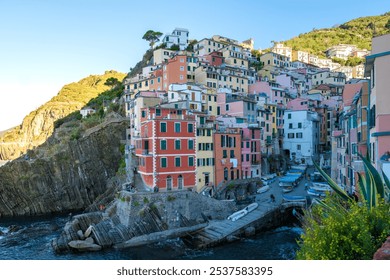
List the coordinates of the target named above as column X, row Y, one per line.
column 349, row 92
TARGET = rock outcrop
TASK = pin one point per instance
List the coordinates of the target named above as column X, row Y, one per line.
column 62, row 175
column 134, row 219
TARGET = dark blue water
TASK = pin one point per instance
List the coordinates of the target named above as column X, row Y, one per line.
column 32, row 241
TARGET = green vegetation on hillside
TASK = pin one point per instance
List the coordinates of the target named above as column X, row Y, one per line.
column 39, row 124
column 358, row 32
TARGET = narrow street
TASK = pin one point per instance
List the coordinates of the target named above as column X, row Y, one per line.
column 278, row 191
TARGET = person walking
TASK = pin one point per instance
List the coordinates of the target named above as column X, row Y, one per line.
column 272, row 198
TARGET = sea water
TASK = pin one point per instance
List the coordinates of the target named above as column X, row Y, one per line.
column 32, row 241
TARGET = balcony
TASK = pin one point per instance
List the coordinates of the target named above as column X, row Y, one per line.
column 206, row 125
column 146, row 152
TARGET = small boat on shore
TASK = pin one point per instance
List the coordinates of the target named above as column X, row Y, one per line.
column 237, row 215
column 251, row 207
column 293, row 198
column 315, row 192
column 263, row 189
column 288, row 189
column 241, row 213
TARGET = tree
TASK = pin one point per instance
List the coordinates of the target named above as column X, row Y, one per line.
column 152, row 37
column 343, row 227
column 112, row 82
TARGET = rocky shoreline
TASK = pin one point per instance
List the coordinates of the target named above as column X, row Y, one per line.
column 135, row 219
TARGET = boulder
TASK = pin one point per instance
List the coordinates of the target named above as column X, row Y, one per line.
column 383, row 253
column 80, row 234
column 250, row 231
column 88, row 231
column 84, row 246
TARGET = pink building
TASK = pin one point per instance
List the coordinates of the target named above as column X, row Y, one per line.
column 378, row 69
column 237, row 105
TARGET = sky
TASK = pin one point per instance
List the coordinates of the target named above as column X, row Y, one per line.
column 46, row 44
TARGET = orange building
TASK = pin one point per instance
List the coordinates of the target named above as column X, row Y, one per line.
column 227, row 154
column 166, row 148
column 175, row 71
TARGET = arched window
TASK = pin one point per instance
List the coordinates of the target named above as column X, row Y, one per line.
column 225, row 174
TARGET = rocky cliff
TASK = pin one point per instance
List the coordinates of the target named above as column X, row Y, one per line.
column 39, row 124
column 65, row 173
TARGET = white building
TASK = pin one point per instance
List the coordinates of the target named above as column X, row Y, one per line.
column 178, row 37
column 85, row 112
column 301, row 135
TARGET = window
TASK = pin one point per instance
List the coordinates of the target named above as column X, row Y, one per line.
column 232, row 154
column 290, row 135
column 289, row 116
column 181, row 77
column 190, row 128
column 163, row 127
column 177, row 127
column 163, row 162
column 177, row 162
column 290, row 125
column 181, row 68
column 298, row 147
column 177, row 144
column 190, row 144
column 224, row 153
column 227, row 107
column 163, row 144
column 190, row 161
column 299, row 125
column 299, row 135
column 247, row 144
column 247, row 157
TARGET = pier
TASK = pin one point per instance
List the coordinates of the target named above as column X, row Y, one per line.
column 268, row 215
column 264, row 217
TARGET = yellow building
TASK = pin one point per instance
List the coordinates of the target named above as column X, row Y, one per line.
column 222, row 77
column 209, row 102
column 204, row 153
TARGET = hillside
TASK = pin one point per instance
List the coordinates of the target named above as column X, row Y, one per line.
column 39, row 124
column 357, row 31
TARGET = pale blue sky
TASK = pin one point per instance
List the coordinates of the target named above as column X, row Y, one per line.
column 46, row 44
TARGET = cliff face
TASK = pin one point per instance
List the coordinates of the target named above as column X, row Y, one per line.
column 39, row 124
column 62, row 175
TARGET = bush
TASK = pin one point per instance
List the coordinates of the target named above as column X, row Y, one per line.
column 75, row 134
column 91, row 121
column 340, row 227
column 354, row 234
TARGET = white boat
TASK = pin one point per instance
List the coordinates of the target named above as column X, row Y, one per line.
column 288, row 189
column 322, row 187
column 293, row 198
column 263, row 189
column 251, row 207
column 237, row 215
column 314, row 192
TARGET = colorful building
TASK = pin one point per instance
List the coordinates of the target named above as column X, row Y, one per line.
column 166, row 149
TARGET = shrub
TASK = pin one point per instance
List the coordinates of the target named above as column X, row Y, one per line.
column 75, row 134
column 340, row 227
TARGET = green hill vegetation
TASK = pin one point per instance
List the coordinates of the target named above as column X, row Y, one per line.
column 358, row 32
column 39, row 124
